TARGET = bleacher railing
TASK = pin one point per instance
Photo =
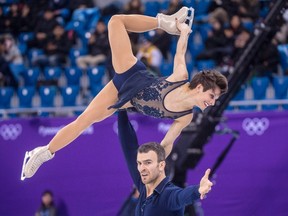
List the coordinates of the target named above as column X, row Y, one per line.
column 73, row 110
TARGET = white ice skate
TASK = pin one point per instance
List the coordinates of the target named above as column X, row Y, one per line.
column 168, row 23
column 33, row 160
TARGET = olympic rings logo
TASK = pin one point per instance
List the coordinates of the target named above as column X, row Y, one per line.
column 255, row 126
column 10, row 131
column 163, row 127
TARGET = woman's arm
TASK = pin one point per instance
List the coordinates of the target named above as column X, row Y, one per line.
column 173, row 132
column 180, row 70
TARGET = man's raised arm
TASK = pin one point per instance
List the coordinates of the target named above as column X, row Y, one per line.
column 129, row 144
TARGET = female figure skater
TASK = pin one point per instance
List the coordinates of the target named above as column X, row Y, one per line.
column 132, row 86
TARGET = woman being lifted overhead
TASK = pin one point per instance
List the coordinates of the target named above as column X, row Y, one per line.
column 132, row 86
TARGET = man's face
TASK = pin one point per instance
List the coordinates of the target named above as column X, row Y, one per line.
column 207, row 98
column 149, row 167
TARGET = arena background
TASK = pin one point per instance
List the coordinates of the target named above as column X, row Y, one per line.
column 90, row 177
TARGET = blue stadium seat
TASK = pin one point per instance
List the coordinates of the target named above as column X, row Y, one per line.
column 95, row 89
column 6, row 94
column 22, row 48
column 195, row 44
column 52, row 73
column 84, row 20
column 173, row 45
column 5, row 9
column 17, row 70
column 190, row 68
column 239, row 96
column 189, row 3
column 204, row 30
column 77, row 26
column 73, row 75
column 33, row 54
column 94, row 16
column 64, row 13
column 164, row 5
column 151, row 8
column 74, row 53
column 69, row 95
column 280, row 84
column 283, row 52
column 249, row 25
column 96, row 75
column 31, row 76
column 47, row 95
column 264, row 9
column 25, row 95
column 79, row 15
column 24, row 37
column 166, row 69
column 205, row 64
column 259, row 86
column 202, row 7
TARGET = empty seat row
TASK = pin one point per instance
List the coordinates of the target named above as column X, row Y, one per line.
column 32, row 75
column 47, row 95
column 260, row 86
column 69, row 94
column 283, row 53
column 154, row 7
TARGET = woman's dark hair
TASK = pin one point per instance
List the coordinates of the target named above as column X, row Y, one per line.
column 153, row 146
column 210, row 79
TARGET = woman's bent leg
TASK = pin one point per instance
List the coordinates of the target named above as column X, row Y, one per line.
column 122, row 54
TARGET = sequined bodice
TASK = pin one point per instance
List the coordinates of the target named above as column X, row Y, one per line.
column 150, row 100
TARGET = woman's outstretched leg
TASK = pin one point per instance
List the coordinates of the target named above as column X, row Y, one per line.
column 95, row 112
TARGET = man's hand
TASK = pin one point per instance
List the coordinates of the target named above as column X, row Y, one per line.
column 183, row 27
column 205, row 184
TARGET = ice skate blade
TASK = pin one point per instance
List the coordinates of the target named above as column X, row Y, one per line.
column 24, row 165
column 190, row 17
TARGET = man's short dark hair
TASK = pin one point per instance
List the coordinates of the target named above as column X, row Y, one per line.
column 210, row 79
column 153, row 146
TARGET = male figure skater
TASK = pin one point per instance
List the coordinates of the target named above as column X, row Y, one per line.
column 146, row 163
